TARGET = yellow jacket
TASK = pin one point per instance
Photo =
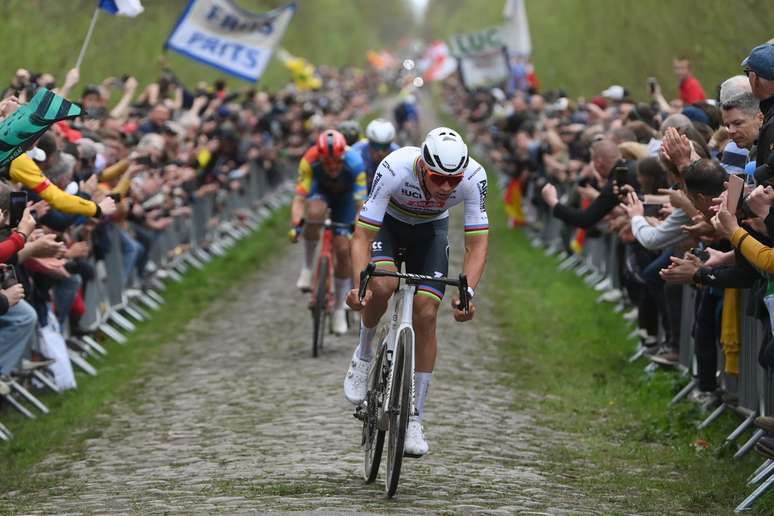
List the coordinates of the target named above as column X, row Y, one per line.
column 759, row 255
column 25, row 171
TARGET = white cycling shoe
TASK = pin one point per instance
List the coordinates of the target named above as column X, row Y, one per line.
column 356, row 381
column 340, row 322
column 304, row 282
column 415, row 444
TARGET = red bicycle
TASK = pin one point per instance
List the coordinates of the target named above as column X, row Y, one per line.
column 322, row 298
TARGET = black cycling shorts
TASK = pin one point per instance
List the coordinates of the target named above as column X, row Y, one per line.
column 426, row 250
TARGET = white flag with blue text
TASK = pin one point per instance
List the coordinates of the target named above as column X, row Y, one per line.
column 226, row 37
column 129, row 8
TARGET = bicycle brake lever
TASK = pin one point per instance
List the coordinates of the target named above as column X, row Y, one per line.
column 365, row 277
column 463, row 286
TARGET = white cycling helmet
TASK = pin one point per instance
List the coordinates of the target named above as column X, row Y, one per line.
column 380, row 131
column 444, row 151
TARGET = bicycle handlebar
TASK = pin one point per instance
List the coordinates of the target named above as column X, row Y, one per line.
column 371, row 271
column 328, row 224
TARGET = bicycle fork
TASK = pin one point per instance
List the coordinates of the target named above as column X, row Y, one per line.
column 402, row 317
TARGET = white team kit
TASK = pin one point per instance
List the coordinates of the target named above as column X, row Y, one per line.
column 397, row 191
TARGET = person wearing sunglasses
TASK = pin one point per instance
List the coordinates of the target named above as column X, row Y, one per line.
column 379, row 142
column 412, row 191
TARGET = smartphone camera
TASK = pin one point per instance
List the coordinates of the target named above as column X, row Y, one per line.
column 621, row 174
column 701, row 254
column 652, row 84
column 18, row 205
column 7, row 276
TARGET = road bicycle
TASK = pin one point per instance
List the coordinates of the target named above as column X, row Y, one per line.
column 322, row 299
column 390, row 395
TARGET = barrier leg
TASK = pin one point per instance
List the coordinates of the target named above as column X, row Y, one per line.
column 746, row 447
column 93, row 344
column 594, row 278
column 191, row 259
column 132, row 312
column 13, row 384
column 112, row 333
column 570, row 262
column 122, row 321
column 6, row 433
column 739, row 430
column 684, row 392
column 45, row 380
column 763, row 471
column 18, row 406
column 712, row 417
column 149, row 301
column 134, row 306
column 750, row 500
column 81, row 363
column 82, row 346
column 204, row 256
column 638, row 353
column 157, row 283
column 155, row 296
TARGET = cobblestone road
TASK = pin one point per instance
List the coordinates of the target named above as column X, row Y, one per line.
column 241, row 418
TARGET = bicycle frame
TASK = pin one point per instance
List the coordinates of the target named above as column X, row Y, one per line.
column 401, row 308
column 325, row 250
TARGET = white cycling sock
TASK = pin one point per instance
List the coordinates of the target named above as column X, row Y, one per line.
column 421, row 386
column 342, row 287
column 365, row 347
column 310, row 246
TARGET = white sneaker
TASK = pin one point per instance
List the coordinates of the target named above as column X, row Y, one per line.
column 304, row 282
column 415, row 445
column 356, row 381
column 340, row 322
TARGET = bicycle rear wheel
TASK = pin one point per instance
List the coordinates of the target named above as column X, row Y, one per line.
column 320, row 309
column 373, row 437
column 400, row 404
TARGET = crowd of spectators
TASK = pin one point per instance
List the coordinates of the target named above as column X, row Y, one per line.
column 654, row 174
column 132, row 161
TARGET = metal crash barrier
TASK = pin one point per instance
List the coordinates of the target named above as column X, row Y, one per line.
column 746, row 395
column 214, row 224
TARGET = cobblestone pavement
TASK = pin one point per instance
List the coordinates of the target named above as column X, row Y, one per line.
column 240, row 417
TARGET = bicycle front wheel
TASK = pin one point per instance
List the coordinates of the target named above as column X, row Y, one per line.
column 320, row 309
column 399, row 406
column 373, row 436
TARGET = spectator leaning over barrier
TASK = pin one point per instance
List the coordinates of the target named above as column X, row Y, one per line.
column 604, row 156
column 17, row 317
column 721, row 275
column 759, row 67
column 742, row 119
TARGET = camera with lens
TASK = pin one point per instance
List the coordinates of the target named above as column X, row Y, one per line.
column 7, row 276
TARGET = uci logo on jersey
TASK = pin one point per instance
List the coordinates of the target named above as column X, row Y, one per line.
column 376, row 245
column 410, row 193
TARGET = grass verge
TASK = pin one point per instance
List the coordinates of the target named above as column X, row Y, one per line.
column 566, row 358
column 77, row 415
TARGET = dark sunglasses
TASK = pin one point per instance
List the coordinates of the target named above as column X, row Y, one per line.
column 440, row 179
